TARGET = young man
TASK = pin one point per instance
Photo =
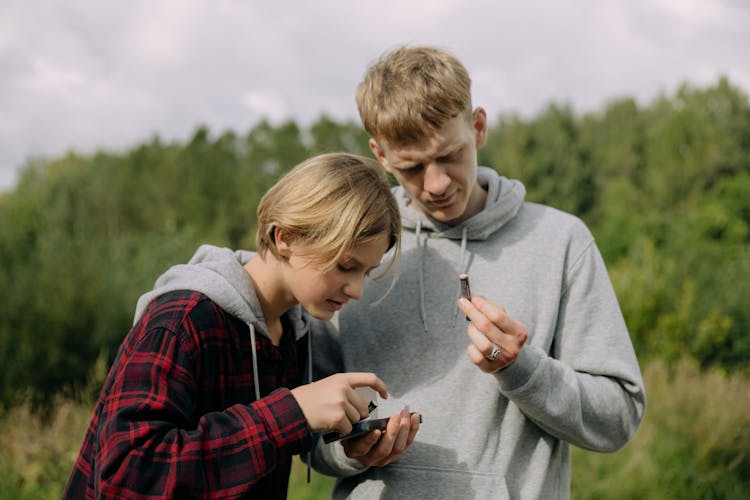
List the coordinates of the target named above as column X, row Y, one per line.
column 548, row 361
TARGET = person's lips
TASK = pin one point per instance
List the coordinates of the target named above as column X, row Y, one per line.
column 335, row 304
column 443, row 201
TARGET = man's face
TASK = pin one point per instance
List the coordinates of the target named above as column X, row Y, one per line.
column 439, row 171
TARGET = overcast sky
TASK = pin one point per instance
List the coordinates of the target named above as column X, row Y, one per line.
column 96, row 74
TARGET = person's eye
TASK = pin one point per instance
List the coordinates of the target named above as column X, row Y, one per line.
column 412, row 169
column 343, row 268
column 449, row 157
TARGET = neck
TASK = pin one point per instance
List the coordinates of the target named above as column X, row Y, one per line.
column 477, row 200
column 274, row 299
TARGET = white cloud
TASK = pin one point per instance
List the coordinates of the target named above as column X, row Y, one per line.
column 90, row 74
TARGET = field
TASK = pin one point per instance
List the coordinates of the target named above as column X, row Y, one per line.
column 694, row 443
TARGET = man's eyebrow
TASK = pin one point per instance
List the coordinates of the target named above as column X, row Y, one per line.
column 405, row 164
column 448, row 150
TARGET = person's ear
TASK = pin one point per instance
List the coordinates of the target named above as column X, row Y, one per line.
column 282, row 241
column 379, row 154
column 479, row 123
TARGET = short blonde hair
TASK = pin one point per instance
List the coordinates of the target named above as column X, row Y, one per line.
column 327, row 205
column 411, row 91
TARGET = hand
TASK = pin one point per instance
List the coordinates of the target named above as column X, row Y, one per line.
column 378, row 448
column 333, row 404
column 491, row 326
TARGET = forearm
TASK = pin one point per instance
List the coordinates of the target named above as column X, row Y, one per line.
column 145, row 452
column 594, row 411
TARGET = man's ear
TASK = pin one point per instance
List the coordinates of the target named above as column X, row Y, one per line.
column 379, row 154
column 479, row 122
column 283, row 245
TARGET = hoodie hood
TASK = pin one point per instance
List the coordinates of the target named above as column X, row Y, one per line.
column 218, row 273
column 504, row 199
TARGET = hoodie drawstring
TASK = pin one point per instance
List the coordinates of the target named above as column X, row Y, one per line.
column 462, row 268
column 422, row 309
column 309, row 381
column 255, row 363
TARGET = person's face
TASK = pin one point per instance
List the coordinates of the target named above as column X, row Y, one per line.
column 322, row 293
column 439, row 171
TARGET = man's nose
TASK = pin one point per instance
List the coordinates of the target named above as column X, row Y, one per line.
column 436, row 179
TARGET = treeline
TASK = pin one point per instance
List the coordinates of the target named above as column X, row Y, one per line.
column 665, row 189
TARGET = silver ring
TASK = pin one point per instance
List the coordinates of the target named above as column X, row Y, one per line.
column 492, row 356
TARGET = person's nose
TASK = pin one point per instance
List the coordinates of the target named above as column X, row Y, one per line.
column 354, row 286
column 436, row 179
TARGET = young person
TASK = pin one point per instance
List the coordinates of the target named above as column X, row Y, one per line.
column 548, row 361
column 205, row 398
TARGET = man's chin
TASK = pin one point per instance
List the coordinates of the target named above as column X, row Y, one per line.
column 447, row 215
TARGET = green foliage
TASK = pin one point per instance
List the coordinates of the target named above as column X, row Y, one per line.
column 549, row 154
column 665, row 189
column 90, row 234
column 694, row 441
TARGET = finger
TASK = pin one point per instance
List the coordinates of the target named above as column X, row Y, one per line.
column 478, row 359
column 357, row 402
column 354, row 413
column 475, row 355
column 385, row 453
column 399, row 444
column 361, row 446
column 414, row 421
column 367, row 379
column 478, row 319
column 497, row 315
column 385, row 445
column 481, row 341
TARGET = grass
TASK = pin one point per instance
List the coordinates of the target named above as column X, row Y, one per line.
column 693, row 443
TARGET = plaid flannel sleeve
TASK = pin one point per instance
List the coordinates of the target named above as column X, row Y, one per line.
column 151, row 445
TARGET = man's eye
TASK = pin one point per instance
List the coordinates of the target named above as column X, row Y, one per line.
column 412, row 170
column 449, row 158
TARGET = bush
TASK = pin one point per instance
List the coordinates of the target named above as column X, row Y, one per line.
column 694, row 442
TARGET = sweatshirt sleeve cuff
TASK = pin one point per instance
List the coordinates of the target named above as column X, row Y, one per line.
column 331, row 460
column 521, row 370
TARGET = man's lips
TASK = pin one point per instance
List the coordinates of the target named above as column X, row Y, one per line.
column 442, row 201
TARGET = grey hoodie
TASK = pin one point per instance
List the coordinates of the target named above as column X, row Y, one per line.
column 504, row 435
column 218, row 273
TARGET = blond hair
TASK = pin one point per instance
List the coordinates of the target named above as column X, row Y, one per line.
column 327, row 205
column 411, row 91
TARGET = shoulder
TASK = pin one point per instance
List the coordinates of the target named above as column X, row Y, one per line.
column 188, row 311
column 551, row 222
column 170, row 309
column 192, row 318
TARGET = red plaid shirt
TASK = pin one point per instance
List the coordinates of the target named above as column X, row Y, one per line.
column 177, row 416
